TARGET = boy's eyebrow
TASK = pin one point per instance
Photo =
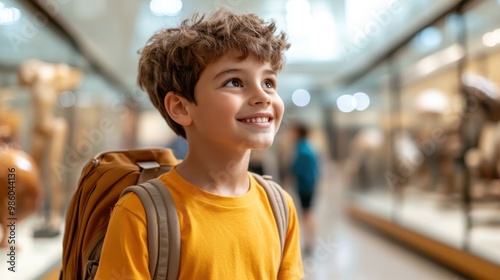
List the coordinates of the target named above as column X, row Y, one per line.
column 237, row 70
column 269, row 71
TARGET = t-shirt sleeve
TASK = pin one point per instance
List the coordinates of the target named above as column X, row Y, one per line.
column 125, row 249
column 291, row 265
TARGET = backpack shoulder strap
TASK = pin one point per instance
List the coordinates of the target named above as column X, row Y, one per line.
column 164, row 242
column 277, row 199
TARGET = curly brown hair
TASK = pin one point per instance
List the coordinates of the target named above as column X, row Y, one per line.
column 174, row 58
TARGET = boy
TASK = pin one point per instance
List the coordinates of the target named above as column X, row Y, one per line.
column 214, row 81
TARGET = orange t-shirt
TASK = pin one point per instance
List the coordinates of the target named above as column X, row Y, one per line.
column 221, row 237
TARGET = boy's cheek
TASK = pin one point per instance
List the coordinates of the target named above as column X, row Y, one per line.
column 280, row 112
column 279, row 104
column 278, row 123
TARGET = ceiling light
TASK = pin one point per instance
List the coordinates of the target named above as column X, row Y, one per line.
column 496, row 35
column 346, row 103
column 298, row 17
column 323, row 37
column 362, row 101
column 301, row 97
column 9, row 16
column 489, row 39
column 298, row 7
column 165, row 7
column 430, row 38
column 432, row 100
column 439, row 59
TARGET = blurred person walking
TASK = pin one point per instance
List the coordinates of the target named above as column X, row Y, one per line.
column 305, row 172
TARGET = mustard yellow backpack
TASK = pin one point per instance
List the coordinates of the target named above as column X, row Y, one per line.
column 108, row 176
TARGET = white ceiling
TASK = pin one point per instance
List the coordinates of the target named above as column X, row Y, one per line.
column 335, row 39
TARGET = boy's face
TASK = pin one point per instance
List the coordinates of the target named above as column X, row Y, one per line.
column 237, row 104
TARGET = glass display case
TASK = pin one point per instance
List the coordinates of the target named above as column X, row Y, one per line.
column 428, row 145
column 436, row 185
column 96, row 113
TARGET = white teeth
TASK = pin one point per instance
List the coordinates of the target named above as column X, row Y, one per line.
column 257, row 120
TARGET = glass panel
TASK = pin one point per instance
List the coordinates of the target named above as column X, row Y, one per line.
column 427, row 144
column 362, row 118
column 481, row 81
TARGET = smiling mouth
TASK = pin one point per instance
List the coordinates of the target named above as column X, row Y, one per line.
column 256, row 120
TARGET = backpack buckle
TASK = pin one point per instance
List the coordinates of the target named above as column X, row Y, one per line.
column 149, row 170
column 148, row 164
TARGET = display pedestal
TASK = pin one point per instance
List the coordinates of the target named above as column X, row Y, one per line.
column 468, row 264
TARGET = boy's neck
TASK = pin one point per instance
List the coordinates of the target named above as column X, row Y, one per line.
column 216, row 171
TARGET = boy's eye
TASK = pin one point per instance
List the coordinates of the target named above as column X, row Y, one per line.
column 233, row 83
column 268, row 84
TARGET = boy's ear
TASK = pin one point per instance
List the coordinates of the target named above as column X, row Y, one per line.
column 176, row 108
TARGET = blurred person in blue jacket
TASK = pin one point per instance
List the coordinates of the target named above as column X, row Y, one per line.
column 306, row 172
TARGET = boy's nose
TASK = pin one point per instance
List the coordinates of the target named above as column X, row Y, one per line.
column 267, row 101
column 260, row 97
